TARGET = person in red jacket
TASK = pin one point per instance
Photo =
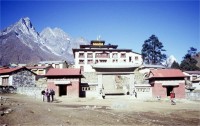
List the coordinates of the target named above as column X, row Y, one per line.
column 172, row 97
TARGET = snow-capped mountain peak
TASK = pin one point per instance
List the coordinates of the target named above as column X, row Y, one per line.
column 59, row 41
column 24, row 25
column 170, row 60
column 26, row 21
column 50, row 43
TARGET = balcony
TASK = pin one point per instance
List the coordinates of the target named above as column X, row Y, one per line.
column 102, row 55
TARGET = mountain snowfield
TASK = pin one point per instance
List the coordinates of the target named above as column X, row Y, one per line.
column 21, row 43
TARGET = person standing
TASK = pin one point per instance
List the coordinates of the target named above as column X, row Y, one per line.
column 48, row 95
column 134, row 93
column 52, row 93
column 172, row 97
column 103, row 94
column 43, row 95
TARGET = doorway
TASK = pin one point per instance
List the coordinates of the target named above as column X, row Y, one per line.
column 62, row 90
column 169, row 89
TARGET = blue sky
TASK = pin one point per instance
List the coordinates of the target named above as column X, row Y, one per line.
column 125, row 23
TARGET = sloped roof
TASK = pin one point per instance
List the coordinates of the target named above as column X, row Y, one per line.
column 166, row 73
column 64, row 72
column 192, row 72
column 10, row 70
column 1, row 68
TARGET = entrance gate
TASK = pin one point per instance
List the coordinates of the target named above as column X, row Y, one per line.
column 110, row 78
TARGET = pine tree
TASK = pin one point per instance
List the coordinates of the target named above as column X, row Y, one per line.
column 175, row 65
column 189, row 63
column 152, row 51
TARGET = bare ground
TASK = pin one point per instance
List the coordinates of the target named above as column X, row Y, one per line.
column 24, row 110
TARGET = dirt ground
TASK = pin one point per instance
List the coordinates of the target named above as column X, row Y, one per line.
column 23, row 110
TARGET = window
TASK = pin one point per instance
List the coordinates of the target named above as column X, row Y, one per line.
column 40, row 72
column 89, row 88
column 89, row 55
column 81, row 55
column 57, row 66
column 81, row 61
column 85, row 88
column 5, row 81
column 123, row 55
column 103, row 61
column 90, row 61
column 143, row 89
column 115, row 61
column 34, row 71
column 136, row 58
column 194, row 77
column 130, row 59
column 115, row 55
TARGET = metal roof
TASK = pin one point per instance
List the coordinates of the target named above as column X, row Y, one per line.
column 166, row 73
column 64, row 72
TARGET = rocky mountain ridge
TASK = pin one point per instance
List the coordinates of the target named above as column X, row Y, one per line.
column 21, row 43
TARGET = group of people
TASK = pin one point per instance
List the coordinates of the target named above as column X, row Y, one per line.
column 48, row 95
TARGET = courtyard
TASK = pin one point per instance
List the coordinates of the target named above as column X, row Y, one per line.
column 113, row 110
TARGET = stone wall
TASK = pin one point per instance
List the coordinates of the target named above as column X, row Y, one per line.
column 41, row 82
column 30, row 91
column 193, row 95
column 23, row 78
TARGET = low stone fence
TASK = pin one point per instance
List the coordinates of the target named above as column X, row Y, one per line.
column 193, row 95
column 31, row 91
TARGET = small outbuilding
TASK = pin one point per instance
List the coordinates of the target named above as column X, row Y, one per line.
column 17, row 77
column 65, row 82
column 163, row 81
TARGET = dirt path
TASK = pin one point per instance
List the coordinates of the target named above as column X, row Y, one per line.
column 26, row 110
